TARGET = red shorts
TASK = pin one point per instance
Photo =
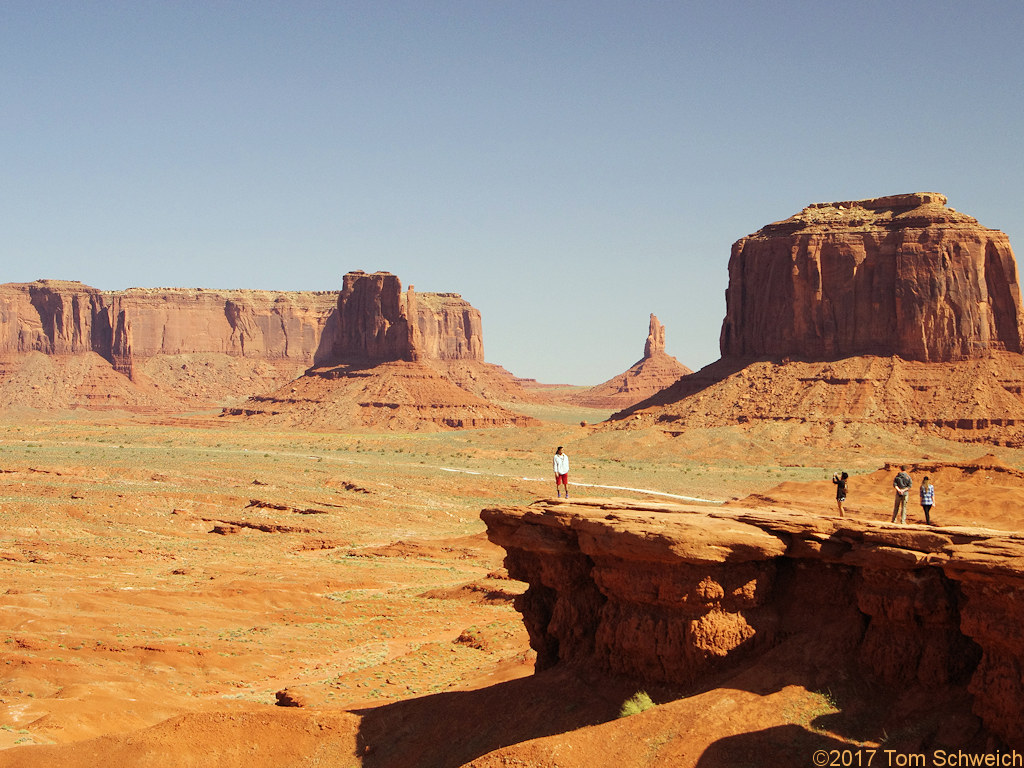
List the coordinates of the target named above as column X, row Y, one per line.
column 562, row 479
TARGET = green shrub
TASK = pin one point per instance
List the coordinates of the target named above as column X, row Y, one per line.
column 636, row 703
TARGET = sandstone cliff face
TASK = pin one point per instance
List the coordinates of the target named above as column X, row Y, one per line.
column 655, row 371
column 671, row 593
column 901, row 275
column 378, row 323
column 373, row 320
column 60, row 318
column 448, row 327
column 55, row 318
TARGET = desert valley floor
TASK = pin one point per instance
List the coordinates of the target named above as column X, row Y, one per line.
column 190, row 591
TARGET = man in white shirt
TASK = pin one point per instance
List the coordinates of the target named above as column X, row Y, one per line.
column 561, row 464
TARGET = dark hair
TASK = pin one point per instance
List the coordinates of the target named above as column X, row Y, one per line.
column 558, row 449
column 845, row 476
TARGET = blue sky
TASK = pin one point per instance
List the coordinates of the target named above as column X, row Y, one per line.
column 569, row 166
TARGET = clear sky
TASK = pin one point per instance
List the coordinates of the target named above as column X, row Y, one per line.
column 568, row 166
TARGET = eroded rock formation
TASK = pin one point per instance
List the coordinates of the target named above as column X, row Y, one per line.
column 899, row 275
column 201, row 347
column 649, row 375
column 389, row 372
column 374, row 323
column 373, row 320
column 896, row 311
column 61, row 318
column 671, row 593
column 655, row 343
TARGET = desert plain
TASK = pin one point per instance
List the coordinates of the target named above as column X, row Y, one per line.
column 269, row 530
column 185, row 591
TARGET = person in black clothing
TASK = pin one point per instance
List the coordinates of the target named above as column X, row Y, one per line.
column 840, row 481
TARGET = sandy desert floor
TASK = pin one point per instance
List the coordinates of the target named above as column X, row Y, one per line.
column 166, row 583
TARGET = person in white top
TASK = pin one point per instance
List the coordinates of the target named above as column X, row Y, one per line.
column 561, row 464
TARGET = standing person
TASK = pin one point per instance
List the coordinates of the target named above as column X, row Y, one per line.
column 902, row 484
column 840, row 481
column 561, row 465
column 927, row 499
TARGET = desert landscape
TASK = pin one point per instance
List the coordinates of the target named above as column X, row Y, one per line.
column 246, row 528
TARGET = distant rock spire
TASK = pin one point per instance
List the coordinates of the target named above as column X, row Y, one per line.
column 655, row 338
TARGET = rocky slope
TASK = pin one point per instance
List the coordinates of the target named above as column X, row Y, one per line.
column 969, row 400
column 673, row 593
column 655, row 371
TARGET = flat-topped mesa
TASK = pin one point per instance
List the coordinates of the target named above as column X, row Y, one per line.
column 214, row 346
column 899, row 275
column 60, row 317
column 374, row 323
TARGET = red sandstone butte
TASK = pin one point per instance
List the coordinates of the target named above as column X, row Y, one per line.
column 652, row 373
column 374, row 323
column 900, row 275
column 386, row 371
column 895, row 311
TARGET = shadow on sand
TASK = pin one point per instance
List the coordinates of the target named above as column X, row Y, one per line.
column 447, row 730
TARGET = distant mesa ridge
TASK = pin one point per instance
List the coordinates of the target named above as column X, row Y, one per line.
column 366, row 320
column 63, row 343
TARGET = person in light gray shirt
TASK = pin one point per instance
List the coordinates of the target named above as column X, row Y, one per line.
column 561, row 465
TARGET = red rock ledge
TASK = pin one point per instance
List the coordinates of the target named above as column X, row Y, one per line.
column 671, row 592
